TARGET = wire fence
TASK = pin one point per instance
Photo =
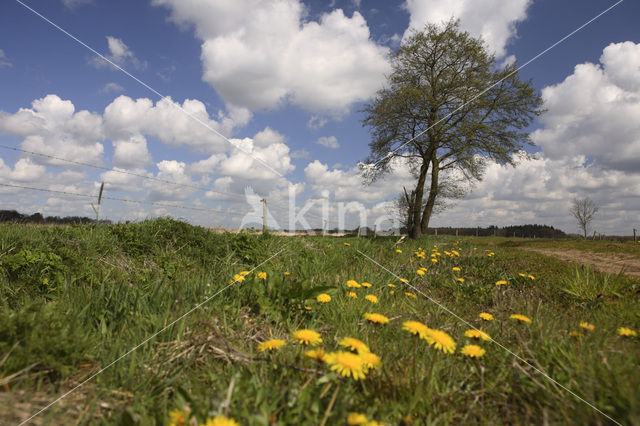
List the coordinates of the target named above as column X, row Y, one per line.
column 236, row 197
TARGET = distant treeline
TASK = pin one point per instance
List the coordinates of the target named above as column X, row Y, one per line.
column 14, row 216
column 522, row 231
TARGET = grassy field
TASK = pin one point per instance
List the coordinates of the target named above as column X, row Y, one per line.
column 74, row 299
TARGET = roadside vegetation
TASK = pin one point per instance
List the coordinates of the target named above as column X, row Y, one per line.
column 74, row 299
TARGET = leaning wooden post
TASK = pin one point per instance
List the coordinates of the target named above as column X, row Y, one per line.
column 324, row 229
column 359, row 231
column 264, row 215
column 634, row 236
column 97, row 209
column 456, row 232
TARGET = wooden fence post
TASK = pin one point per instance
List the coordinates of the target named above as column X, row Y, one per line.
column 634, row 236
column 264, row 215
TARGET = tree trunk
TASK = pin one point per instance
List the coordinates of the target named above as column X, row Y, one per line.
column 409, row 218
column 415, row 230
column 433, row 193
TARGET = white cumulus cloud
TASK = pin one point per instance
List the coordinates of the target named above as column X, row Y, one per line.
column 188, row 124
column 52, row 126
column 120, row 54
column 492, row 20
column 261, row 54
column 329, row 142
column 4, row 61
column 594, row 111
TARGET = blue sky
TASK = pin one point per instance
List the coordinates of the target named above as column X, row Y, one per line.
column 286, row 75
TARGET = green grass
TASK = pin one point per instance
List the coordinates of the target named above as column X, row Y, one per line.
column 73, row 299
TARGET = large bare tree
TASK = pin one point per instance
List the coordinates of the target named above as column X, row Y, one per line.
column 583, row 209
column 446, row 107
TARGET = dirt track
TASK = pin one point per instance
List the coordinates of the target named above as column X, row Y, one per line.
column 612, row 263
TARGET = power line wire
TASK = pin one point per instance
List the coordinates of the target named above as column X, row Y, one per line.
column 126, row 172
column 126, row 200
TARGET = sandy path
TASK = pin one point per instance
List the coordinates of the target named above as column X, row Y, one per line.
column 612, row 263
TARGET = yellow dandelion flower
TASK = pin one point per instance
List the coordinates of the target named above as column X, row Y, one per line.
column 420, row 272
column 391, row 285
column 404, row 280
column 410, row 295
column 323, row 298
column 392, row 292
column 308, row 308
column 477, row 334
column 576, row 334
column 356, row 419
column 271, row 345
column 398, row 251
column 354, row 344
column 244, row 273
column 521, row 318
column 627, row 332
column 307, row 337
column 455, row 269
column 501, row 282
column 352, row 295
column 531, row 277
column 287, row 273
column 434, row 260
column 460, row 279
column 522, row 275
column 376, row 318
column 587, row 326
column 371, row 361
column 238, row 278
column 177, row 418
column 366, row 284
column 415, row 327
column 353, row 284
column 441, row 340
column 317, row 354
column 371, row 298
column 262, row 275
column 221, row 421
column 486, row 316
column 346, row 364
column 347, row 244
column 472, row 351
column 455, row 253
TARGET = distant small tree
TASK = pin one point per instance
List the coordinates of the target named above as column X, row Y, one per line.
column 583, row 209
